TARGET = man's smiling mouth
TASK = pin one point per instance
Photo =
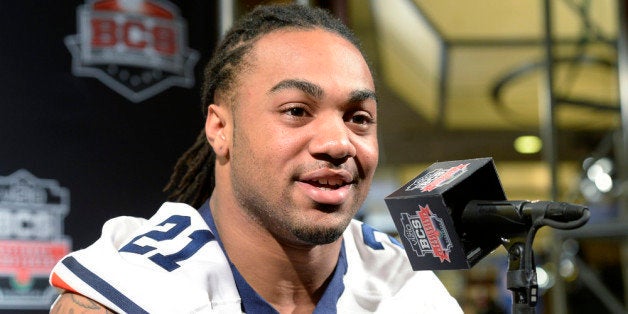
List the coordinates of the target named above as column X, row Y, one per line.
column 327, row 183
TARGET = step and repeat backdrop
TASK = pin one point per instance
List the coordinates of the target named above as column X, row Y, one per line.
column 98, row 98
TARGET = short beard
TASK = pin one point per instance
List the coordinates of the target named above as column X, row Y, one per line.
column 316, row 236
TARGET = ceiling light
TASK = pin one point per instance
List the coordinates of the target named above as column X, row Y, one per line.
column 528, row 144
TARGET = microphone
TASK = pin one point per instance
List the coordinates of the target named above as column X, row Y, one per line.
column 455, row 213
column 508, row 218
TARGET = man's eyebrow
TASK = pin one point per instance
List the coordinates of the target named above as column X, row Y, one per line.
column 362, row 95
column 304, row 86
column 317, row 92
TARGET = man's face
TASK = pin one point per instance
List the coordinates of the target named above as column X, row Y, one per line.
column 304, row 139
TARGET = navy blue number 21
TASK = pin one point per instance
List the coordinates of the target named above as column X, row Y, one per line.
column 170, row 262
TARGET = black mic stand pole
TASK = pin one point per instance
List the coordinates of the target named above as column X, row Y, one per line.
column 521, row 276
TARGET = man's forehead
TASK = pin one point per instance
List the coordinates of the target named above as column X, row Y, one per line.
column 304, row 58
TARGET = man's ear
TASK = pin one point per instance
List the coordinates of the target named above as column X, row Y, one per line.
column 216, row 129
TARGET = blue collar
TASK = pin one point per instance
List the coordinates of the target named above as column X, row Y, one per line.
column 254, row 303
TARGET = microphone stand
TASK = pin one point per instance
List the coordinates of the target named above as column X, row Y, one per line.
column 521, row 277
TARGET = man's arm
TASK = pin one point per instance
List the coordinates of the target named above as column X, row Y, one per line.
column 75, row 303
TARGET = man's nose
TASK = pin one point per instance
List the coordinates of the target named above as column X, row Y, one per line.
column 332, row 138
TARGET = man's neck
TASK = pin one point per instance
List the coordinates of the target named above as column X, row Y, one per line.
column 292, row 278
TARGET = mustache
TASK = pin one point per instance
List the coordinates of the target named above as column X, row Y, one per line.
column 322, row 164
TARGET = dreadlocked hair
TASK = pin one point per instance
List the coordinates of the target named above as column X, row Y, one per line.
column 192, row 181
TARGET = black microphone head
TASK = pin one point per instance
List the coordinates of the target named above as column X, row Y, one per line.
column 427, row 214
column 564, row 212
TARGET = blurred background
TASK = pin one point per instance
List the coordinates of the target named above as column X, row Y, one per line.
column 91, row 129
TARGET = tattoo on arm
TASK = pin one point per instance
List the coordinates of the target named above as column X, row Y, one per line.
column 85, row 302
column 75, row 303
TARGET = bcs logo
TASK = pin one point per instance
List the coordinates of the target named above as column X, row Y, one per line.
column 31, row 239
column 138, row 48
column 437, row 178
column 427, row 233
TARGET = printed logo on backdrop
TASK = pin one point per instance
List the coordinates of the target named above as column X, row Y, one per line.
column 138, row 48
column 32, row 211
column 437, row 178
column 427, row 234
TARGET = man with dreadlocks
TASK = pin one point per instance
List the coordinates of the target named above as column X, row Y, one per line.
column 285, row 160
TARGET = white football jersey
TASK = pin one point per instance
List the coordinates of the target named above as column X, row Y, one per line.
column 172, row 263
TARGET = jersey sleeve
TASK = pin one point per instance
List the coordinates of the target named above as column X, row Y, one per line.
column 169, row 263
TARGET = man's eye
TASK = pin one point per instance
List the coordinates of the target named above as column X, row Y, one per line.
column 361, row 119
column 296, row 111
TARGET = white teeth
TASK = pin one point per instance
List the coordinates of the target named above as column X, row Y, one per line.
column 334, row 182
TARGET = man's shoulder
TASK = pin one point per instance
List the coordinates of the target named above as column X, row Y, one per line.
column 374, row 252
column 375, row 256
column 174, row 248
column 380, row 278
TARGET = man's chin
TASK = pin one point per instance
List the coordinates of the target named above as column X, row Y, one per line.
column 319, row 236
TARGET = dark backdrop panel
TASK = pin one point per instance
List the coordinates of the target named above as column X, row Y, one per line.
column 113, row 155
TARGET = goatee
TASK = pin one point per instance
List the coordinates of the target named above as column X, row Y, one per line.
column 317, row 236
